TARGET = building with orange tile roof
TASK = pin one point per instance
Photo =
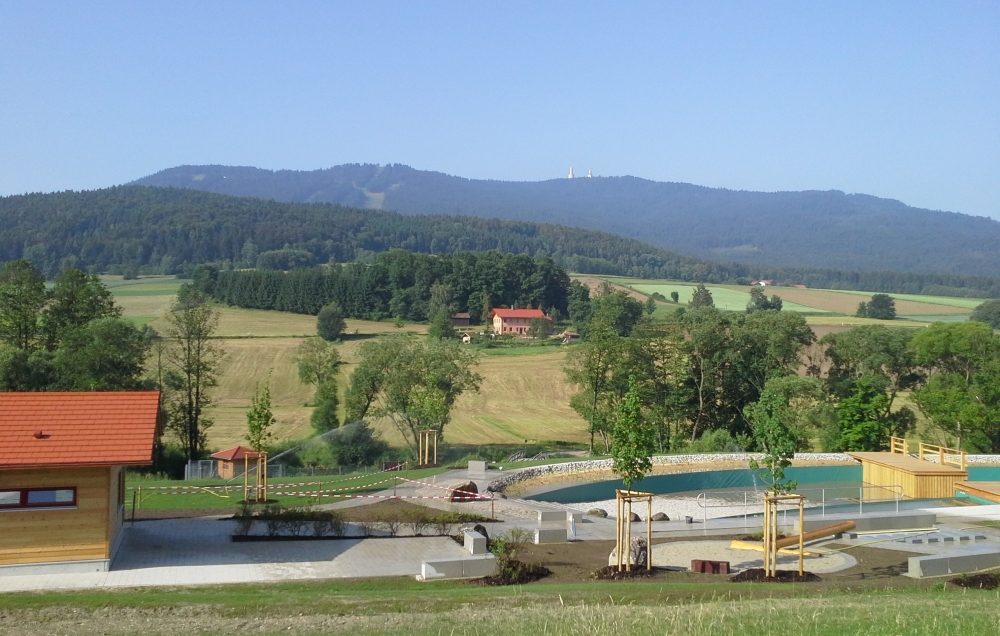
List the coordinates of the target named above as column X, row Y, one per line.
column 62, row 475
column 514, row 321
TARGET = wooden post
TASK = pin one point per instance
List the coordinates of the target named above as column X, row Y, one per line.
column 618, row 527
column 246, row 478
column 802, row 531
column 435, row 448
column 649, row 534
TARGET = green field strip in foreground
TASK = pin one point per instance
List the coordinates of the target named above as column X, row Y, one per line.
column 725, row 298
column 398, row 605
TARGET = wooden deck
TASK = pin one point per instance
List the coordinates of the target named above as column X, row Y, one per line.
column 919, row 479
column 988, row 490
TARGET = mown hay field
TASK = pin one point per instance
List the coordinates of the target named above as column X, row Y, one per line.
column 522, row 396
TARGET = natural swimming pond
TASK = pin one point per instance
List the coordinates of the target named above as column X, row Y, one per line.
column 838, row 481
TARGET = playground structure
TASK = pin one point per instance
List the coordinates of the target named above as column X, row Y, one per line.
column 623, row 538
column 426, row 439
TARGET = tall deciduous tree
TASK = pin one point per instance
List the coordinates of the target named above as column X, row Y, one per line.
column 701, row 297
column 591, row 366
column 22, row 298
column 76, row 299
column 962, row 394
column 880, row 307
column 106, row 354
column 412, row 384
column 194, row 360
column 330, row 322
column 883, row 358
column 317, row 360
column 988, row 312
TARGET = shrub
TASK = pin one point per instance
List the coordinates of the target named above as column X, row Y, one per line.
column 418, row 521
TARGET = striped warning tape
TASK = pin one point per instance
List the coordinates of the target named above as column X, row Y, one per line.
column 270, row 486
column 464, row 492
column 349, row 496
column 297, row 492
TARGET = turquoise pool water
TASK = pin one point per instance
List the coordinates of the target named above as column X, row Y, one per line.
column 842, row 478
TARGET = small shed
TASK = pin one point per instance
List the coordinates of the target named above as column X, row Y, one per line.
column 234, row 461
column 62, row 476
column 460, row 319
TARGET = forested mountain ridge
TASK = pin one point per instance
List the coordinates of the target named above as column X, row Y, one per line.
column 161, row 230
column 819, row 229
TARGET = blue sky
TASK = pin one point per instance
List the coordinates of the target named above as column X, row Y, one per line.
column 895, row 99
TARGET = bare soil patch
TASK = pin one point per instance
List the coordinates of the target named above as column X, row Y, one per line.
column 756, row 575
column 612, row 573
column 983, row 581
column 516, row 573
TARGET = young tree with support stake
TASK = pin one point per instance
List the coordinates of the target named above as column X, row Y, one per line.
column 259, row 418
column 633, row 443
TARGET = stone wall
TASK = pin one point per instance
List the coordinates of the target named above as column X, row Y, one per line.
column 586, row 466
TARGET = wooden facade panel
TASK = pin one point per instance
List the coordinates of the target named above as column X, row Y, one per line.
column 931, row 484
column 116, row 504
column 34, row 536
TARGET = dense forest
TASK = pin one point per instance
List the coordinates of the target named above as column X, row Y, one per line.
column 401, row 284
column 818, row 229
column 165, row 230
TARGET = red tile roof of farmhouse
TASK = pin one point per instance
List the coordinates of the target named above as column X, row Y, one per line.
column 77, row 429
column 519, row 313
column 235, row 453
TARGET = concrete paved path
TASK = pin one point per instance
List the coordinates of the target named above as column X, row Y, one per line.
column 198, row 551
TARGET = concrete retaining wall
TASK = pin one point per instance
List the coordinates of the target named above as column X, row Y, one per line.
column 863, row 523
column 550, row 535
column 570, row 468
column 471, row 567
column 971, row 560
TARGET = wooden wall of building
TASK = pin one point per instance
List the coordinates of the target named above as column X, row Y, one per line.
column 926, row 485
column 69, row 534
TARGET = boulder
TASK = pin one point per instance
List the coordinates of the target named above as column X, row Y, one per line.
column 461, row 492
column 637, row 552
column 481, row 529
column 597, row 512
column 660, row 516
column 636, row 517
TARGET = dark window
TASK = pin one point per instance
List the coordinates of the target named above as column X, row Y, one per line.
column 38, row 498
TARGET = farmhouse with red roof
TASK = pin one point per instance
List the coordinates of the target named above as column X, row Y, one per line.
column 514, row 321
column 62, row 476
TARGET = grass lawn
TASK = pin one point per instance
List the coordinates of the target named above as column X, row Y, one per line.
column 406, row 607
column 154, row 497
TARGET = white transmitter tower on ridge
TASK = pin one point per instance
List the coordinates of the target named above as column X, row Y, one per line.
column 589, row 174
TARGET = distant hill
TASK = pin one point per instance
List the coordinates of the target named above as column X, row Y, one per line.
column 798, row 229
column 164, row 230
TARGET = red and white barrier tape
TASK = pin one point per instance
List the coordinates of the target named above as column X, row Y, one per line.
column 464, row 492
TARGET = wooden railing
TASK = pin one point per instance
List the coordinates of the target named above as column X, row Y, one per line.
column 898, row 445
column 945, row 455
